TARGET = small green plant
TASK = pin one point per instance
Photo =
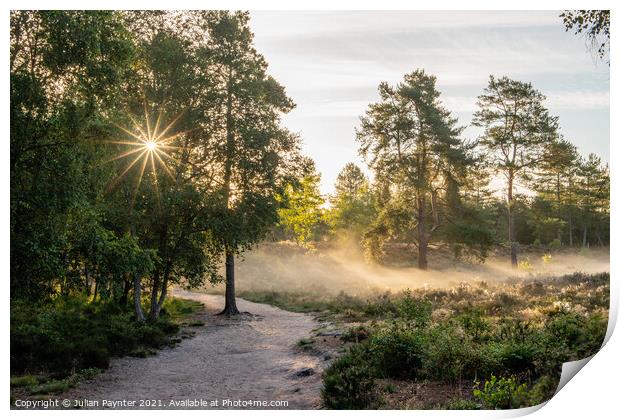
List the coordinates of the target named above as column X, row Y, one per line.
column 474, row 323
column 51, row 387
column 525, row 265
column 176, row 308
column 24, row 381
column 501, row 393
column 462, row 404
column 416, row 312
column 84, row 374
column 546, row 259
column 305, row 343
column 397, row 351
column 389, row 388
column 349, row 382
column 142, row 352
column 555, row 243
column 542, row 390
column 356, row 334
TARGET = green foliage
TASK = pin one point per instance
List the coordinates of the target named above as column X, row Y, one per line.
column 416, row 312
column 45, row 385
column 542, row 390
column 462, row 404
column 70, row 334
column 89, row 215
column 305, row 343
column 356, row 334
column 56, row 183
column 51, row 387
column 348, row 383
column 594, row 24
column 396, row 352
column 470, row 238
column 525, row 265
column 389, row 388
column 501, row 393
column 24, row 381
column 450, row 355
column 301, row 214
column 475, row 323
column 518, row 360
column 353, row 203
column 177, row 308
column 514, row 141
column 407, row 138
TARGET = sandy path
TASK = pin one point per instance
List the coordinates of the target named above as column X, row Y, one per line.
column 248, row 358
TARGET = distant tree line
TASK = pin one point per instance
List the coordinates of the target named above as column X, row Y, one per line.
column 431, row 187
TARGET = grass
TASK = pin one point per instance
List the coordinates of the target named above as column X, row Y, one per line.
column 142, row 352
column 291, row 301
column 515, row 297
column 57, row 343
column 177, row 309
column 24, row 381
column 46, row 385
column 306, row 343
column 54, row 386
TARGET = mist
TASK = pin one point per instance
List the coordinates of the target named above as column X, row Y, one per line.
column 335, row 268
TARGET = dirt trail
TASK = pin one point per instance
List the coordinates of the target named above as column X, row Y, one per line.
column 247, row 358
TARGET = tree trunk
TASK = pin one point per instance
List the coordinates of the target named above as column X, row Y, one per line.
column 126, row 289
column 159, row 302
column 570, row 212
column 96, row 290
column 570, row 229
column 511, row 224
column 230, row 307
column 559, row 200
column 162, row 295
column 585, row 236
column 154, row 312
column 422, row 239
column 598, row 237
column 87, row 280
column 137, row 297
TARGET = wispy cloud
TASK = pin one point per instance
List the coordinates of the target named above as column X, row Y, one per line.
column 578, row 100
column 332, row 62
column 573, row 100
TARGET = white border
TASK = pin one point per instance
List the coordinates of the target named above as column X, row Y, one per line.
column 591, row 394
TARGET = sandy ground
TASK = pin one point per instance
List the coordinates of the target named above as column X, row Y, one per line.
column 252, row 357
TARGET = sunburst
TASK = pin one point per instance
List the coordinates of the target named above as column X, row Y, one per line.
column 148, row 147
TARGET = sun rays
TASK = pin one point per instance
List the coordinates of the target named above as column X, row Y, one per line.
column 149, row 149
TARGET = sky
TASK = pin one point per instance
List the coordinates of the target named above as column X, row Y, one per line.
column 332, row 62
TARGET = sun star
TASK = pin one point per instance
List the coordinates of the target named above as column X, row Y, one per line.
column 149, row 143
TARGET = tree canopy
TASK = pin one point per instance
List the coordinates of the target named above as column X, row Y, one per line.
column 154, row 134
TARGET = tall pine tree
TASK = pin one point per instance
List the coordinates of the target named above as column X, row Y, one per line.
column 517, row 128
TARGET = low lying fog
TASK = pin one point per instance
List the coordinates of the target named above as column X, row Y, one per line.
column 288, row 267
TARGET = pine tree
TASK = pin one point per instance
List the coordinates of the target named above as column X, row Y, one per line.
column 592, row 190
column 412, row 144
column 248, row 145
column 517, row 128
column 352, row 204
column 553, row 178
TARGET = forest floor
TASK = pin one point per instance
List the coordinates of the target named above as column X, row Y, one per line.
column 250, row 357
